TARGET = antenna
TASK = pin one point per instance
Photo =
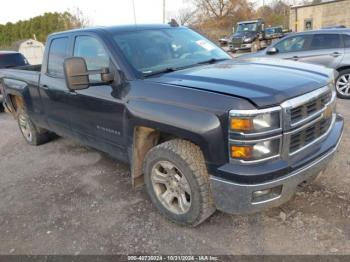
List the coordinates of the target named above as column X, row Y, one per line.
column 134, row 10
column 163, row 11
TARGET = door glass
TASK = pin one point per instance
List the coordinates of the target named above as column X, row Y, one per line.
column 292, row 44
column 346, row 41
column 325, row 41
column 57, row 54
column 92, row 51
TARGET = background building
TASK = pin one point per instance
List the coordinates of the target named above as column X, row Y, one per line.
column 316, row 16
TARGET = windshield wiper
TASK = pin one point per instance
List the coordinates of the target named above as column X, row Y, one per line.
column 165, row 70
column 173, row 69
column 212, row 61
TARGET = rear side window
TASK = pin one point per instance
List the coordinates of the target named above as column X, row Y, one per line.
column 346, row 41
column 325, row 41
column 57, row 54
column 293, row 44
column 12, row 60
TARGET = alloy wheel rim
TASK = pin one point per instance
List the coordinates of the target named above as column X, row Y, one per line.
column 171, row 187
column 25, row 128
column 343, row 85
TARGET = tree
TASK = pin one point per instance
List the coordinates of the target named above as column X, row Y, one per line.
column 184, row 16
column 275, row 14
column 41, row 26
column 216, row 18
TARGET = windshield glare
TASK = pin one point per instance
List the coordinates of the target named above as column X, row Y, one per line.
column 251, row 27
column 150, row 51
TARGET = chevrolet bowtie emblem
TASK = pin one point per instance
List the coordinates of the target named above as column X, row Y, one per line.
column 328, row 112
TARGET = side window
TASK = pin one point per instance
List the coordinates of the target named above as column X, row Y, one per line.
column 293, row 44
column 57, row 54
column 346, row 41
column 325, row 41
column 92, row 51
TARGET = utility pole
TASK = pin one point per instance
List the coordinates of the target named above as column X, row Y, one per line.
column 163, row 11
column 134, row 10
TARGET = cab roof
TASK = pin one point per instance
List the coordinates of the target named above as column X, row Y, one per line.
column 119, row 28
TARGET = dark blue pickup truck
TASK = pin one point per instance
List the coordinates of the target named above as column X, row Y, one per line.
column 201, row 130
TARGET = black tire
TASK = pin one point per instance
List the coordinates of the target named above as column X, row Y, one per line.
column 32, row 135
column 340, row 93
column 189, row 160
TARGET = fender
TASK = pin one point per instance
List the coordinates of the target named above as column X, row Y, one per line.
column 15, row 88
column 203, row 128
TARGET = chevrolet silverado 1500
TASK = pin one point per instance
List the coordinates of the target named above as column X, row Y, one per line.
column 201, row 130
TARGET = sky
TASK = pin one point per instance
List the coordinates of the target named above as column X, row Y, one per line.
column 107, row 12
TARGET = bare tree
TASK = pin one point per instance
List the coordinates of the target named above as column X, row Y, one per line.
column 79, row 18
column 221, row 8
column 184, row 16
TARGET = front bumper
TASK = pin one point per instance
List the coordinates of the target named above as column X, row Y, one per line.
column 236, row 198
column 243, row 46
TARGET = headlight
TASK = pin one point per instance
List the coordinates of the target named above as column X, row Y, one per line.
column 248, row 39
column 255, row 135
column 255, row 150
column 255, row 121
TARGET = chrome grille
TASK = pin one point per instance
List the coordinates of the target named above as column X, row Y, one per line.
column 310, row 108
column 307, row 119
column 311, row 133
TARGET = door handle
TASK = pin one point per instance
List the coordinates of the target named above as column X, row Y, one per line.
column 335, row 54
column 45, row 87
column 295, row 58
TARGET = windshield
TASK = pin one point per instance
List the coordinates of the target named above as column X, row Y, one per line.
column 12, row 60
column 151, row 51
column 250, row 27
column 270, row 30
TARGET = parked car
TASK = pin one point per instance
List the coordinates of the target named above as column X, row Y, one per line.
column 274, row 32
column 330, row 48
column 202, row 131
column 10, row 59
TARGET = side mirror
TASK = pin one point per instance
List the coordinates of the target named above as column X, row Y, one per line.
column 76, row 73
column 272, row 51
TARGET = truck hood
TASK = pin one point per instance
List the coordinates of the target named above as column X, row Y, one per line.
column 264, row 82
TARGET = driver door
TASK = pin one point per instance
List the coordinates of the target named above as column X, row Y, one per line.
column 97, row 119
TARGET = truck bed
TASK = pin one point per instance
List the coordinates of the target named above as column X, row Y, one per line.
column 28, row 74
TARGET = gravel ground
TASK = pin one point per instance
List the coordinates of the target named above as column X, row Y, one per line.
column 64, row 198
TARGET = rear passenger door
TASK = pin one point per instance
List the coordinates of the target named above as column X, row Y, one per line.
column 53, row 89
column 325, row 49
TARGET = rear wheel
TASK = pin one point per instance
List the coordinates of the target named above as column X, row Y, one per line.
column 342, row 84
column 178, row 183
column 32, row 134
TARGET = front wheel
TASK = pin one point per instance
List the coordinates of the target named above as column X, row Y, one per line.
column 342, row 84
column 178, row 183
column 255, row 47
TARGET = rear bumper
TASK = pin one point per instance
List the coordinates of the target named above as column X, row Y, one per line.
column 235, row 198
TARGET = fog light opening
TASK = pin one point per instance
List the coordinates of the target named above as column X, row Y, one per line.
column 267, row 194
